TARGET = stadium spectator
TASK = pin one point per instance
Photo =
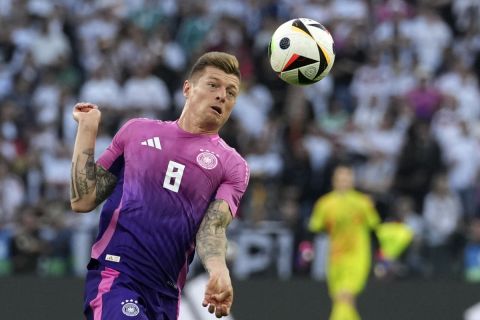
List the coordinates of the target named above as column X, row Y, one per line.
column 414, row 259
column 50, row 46
column 419, row 160
column 442, row 213
column 27, row 245
column 12, row 194
column 146, row 94
column 463, row 161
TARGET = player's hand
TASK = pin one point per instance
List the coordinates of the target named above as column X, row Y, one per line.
column 86, row 112
column 219, row 294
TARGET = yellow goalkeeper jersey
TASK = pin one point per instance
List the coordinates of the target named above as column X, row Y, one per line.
column 348, row 217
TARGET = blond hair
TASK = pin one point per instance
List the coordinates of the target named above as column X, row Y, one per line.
column 221, row 60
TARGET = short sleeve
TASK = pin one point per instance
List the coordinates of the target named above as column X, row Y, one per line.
column 114, row 152
column 316, row 222
column 234, row 185
column 373, row 218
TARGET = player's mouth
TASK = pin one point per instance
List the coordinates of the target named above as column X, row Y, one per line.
column 217, row 109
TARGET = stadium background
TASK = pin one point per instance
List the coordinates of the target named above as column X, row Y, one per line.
column 402, row 103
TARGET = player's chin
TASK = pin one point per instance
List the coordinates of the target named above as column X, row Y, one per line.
column 215, row 121
column 216, row 117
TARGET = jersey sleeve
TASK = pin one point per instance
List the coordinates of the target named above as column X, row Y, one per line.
column 316, row 222
column 372, row 216
column 234, row 185
column 114, row 152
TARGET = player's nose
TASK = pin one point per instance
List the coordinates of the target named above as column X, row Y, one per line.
column 221, row 94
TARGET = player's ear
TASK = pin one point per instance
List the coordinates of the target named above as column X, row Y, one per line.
column 186, row 88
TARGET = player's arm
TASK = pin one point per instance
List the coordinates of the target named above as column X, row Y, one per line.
column 90, row 183
column 316, row 222
column 212, row 249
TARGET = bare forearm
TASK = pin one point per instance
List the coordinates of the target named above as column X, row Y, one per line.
column 212, row 251
column 83, row 174
column 91, row 184
column 211, row 237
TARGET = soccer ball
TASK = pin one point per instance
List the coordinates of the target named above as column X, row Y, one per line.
column 301, row 51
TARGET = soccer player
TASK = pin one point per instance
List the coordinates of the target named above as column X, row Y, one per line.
column 348, row 216
column 170, row 187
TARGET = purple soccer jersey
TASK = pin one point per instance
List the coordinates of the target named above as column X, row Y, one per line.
column 167, row 177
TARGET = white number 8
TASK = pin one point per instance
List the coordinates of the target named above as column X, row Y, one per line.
column 173, row 176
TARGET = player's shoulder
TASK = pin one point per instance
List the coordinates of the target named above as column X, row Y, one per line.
column 234, row 163
column 231, row 152
column 361, row 196
column 141, row 121
column 141, row 124
column 329, row 196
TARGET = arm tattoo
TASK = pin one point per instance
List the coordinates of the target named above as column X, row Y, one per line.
column 106, row 182
column 89, row 178
column 211, row 236
column 90, row 165
column 83, row 180
column 74, row 196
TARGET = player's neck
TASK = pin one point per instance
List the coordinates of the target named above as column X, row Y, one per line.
column 343, row 190
column 189, row 125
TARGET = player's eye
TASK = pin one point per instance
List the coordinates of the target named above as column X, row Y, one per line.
column 212, row 85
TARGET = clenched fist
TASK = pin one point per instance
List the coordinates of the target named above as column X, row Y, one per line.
column 87, row 113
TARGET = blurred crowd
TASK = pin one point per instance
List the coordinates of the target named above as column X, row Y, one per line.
column 402, row 103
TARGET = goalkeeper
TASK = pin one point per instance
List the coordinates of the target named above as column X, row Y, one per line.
column 348, row 216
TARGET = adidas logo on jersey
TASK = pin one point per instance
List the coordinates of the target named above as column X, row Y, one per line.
column 152, row 142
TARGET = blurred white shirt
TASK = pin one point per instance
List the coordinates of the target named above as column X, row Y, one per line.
column 104, row 92
column 146, row 93
column 441, row 217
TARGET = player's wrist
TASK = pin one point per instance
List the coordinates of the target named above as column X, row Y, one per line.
column 88, row 125
column 215, row 267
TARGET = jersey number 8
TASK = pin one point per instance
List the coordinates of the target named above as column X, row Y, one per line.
column 173, row 176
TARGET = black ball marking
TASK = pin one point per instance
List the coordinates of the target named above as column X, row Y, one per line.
column 284, row 43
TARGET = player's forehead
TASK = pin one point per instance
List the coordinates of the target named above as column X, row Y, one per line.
column 216, row 74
